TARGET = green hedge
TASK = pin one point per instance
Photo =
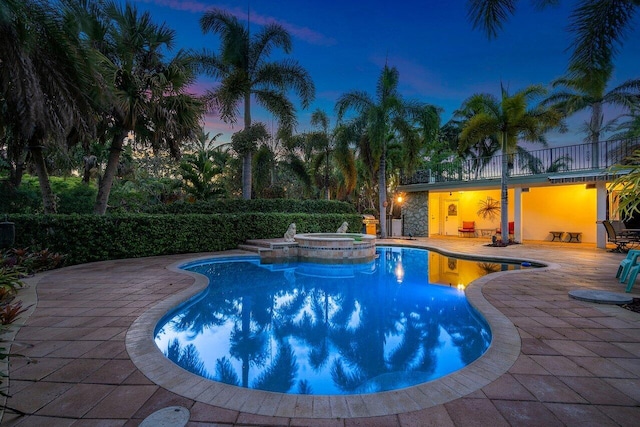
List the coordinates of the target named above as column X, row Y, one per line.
column 86, row 238
column 255, row 205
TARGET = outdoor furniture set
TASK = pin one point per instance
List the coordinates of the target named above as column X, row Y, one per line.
column 469, row 229
column 624, row 239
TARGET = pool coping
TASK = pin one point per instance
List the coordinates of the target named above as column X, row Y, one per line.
column 496, row 361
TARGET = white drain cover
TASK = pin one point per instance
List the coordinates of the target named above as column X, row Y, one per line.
column 172, row 416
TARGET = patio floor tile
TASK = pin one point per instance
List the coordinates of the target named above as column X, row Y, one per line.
column 548, row 388
column 519, row 413
column 76, row 401
column 122, row 402
column 598, row 392
column 580, row 415
column 506, row 387
column 474, row 412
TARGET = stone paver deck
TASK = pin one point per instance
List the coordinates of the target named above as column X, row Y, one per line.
column 554, row 360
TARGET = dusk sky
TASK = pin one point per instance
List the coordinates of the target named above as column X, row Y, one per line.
column 441, row 59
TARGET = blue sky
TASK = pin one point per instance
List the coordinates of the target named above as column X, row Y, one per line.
column 440, row 58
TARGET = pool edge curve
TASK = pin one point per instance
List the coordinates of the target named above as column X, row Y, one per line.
column 496, row 361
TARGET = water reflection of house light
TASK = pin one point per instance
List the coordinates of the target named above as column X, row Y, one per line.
column 399, row 273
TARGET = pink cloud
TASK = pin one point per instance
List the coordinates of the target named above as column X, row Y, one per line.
column 303, row 33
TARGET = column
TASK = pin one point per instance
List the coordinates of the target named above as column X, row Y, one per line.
column 601, row 214
column 517, row 214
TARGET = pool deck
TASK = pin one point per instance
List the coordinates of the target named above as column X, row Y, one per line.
column 554, row 360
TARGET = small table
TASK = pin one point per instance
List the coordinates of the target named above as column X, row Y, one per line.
column 557, row 235
column 631, row 233
column 574, row 236
column 486, row 232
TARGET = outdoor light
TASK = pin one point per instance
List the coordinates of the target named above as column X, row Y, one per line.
column 399, row 199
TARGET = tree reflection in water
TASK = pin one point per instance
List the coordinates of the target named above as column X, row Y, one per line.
column 330, row 329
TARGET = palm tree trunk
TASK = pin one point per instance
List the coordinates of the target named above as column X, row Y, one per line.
column 48, row 198
column 15, row 175
column 382, row 194
column 504, row 193
column 595, row 125
column 247, row 157
column 104, row 188
column 326, row 175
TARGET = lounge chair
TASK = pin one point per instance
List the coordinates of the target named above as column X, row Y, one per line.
column 512, row 228
column 632, row 259
column 619, row 240
column 468, row 229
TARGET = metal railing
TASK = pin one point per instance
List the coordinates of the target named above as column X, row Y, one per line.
column 571, row 158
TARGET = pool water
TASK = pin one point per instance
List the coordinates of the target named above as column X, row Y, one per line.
column 305, row 328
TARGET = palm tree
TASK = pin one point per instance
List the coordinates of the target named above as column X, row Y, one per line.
column 585, row 89
column 149, row 98
column 245, row 72
column 44, row 82
column 482, row 151
column 598, row 26
column 383, row 118
column 509, row 120
column 322, row 141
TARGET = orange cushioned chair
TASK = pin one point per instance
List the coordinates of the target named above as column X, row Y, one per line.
column 512, row 228
column 468, row 229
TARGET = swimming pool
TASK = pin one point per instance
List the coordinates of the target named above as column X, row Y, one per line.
column 328, row 329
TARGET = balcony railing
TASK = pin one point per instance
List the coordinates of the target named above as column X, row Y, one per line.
column 572, row 158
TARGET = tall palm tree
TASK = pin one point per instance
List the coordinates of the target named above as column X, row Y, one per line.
column 149, row 96
column 598, row 26
column 585, row 89
column 44, row 82
column 482, row 151
column 509, row 120
column 244, row 71
column 382, row 118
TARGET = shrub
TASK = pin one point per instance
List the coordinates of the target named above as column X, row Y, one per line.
column 86, row 238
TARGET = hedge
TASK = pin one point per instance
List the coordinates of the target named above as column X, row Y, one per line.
column 254, row 205
column 86, row 238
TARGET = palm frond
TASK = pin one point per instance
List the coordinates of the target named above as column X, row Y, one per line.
column 599, row 28
column 490, row 15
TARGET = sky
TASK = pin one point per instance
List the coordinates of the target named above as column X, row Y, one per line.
column 441, row 59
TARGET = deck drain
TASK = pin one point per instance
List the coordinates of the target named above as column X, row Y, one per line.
column 600, row 297
column 172, row 416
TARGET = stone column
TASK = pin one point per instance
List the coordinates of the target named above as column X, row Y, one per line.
column 415, row 213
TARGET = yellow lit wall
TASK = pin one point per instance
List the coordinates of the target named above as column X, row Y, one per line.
column 469, row 203
column 559, row 208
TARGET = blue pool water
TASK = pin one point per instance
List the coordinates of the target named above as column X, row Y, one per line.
column 328, row 329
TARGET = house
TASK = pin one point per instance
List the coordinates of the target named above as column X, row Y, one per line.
column 561, row 190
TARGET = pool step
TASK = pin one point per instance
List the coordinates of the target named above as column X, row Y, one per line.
column 252, row 248
column 268, row 248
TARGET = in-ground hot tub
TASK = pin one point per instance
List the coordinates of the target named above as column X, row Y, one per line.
column 327, row 247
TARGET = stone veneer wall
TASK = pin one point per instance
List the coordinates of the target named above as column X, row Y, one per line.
column 415, row 211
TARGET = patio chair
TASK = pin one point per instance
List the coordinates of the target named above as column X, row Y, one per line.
column 512, row 228
column 626, row 264
column 468, row 229
column 633, row 275
column 619, row 240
